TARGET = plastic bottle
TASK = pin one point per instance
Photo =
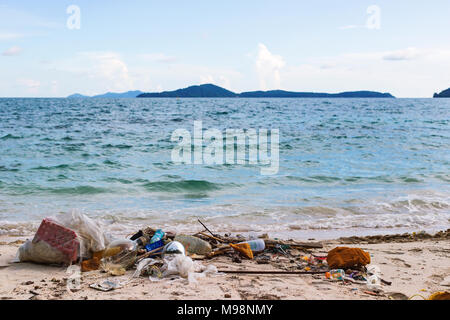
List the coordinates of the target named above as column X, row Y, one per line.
column 256, row 245
column 159, row 234
column 374, row 283
column 154, row 245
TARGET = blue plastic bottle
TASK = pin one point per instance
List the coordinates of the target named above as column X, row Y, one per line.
column 159, row 234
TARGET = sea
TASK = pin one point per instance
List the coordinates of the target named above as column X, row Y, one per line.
column 346, row 166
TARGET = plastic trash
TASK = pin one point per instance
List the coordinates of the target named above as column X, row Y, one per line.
column 120, row 254
column 63, row 239
column 373, row 270
column 40, row 252
column 91, row 234
column 243, row 248
column 194, row 245
column 52, row 244
column 336, row 274
column 159, row 234
column 143, row 266
column 106, row 285
column 374, row 283
column 185, row 267
column 256, row 245
column 177, row 265
column 174, row 248
column 154, row 246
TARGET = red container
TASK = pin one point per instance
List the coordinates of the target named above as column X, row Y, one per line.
column 60, row 238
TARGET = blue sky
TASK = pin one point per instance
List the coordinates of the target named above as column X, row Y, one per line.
column 325, row 46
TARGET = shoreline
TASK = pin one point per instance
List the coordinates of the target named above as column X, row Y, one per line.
column 414, row 263
column 25, row 229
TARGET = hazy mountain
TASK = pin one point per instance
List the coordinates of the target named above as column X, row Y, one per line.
column 129, row 94
column 288, row 94
column 77, row 95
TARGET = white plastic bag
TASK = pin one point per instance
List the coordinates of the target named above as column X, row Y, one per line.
column 40, row 252
column 90, row 233
column 178, row 265
column 143, row 265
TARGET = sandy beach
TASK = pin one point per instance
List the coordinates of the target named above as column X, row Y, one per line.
column 415, row 264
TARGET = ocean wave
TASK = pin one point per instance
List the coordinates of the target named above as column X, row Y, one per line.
column 22, row 190
column 358, row 179
column 184, row 186
column 10, row 137
column 117, row 146
column 58, row 167
column 80, row 190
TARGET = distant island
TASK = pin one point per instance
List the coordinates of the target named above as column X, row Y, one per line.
column 213, row 91
column 443, row 94
column 129, row 94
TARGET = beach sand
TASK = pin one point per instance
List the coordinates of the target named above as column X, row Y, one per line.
column 414, row 265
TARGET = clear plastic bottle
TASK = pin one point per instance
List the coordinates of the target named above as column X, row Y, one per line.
column 256, row 245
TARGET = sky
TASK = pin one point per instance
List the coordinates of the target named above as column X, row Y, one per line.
column 57, row 48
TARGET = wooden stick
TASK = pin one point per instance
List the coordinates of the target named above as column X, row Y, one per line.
column 294, row 244
column 270, row 272
column 211, row 237
column 206, row 228
column 148, row 254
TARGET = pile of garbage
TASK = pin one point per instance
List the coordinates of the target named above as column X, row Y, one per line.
column 74, row 238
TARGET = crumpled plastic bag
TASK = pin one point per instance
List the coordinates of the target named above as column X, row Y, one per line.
column 40, row 252
column 174, row 266
column 143, row 266
column 90, row 232
column 89, row 238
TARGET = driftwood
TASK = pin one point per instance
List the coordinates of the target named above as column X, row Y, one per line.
column 150, row 253
column 211, row 237
column 293, row 244
column 270, row 272
column 270, row 243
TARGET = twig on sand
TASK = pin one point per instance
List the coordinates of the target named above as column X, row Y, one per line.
column 206, row 228
column 269, row 272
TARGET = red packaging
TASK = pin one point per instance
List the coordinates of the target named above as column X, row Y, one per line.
column 60, row 238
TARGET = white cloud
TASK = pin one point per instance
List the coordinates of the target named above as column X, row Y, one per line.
column 31, row 86
column 101, row 71
column 10, row 36
column 352, row 26
column 410, row 72
column 30, row 83
column 159, row 57
column 219, row 80
column 405, row 54
column 13, row 51
column 268, row 67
